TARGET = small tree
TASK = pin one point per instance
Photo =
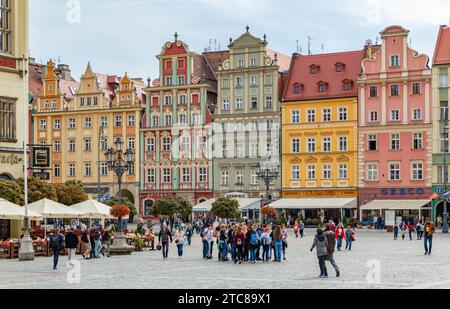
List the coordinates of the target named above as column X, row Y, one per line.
column 38, row 190
column 166, row 206
column 71, row 193
column 11, row 191
column 184, row 206
column 225, row 208
column 125, row 201
column 268, row 211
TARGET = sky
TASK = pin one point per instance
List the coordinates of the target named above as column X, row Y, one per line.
column 119, row 36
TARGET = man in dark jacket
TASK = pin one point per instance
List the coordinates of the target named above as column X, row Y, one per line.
column 163, row 238
column 72, row 243
column 331, row 244
column 56, row 244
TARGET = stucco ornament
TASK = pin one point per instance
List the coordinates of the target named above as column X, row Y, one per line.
column 195, row 79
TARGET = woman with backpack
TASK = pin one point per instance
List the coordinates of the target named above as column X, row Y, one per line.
column 284, row 241
column 180, row 239
column 253, row 243
column 278, row 243
column 239, row 239
column 266, row 242
column 321, row 244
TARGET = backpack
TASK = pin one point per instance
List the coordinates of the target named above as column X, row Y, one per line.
column 55, row 242
column 254, row 239
column 264, row 240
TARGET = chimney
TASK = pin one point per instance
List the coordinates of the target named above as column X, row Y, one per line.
column 44, row 71
column 64, row 70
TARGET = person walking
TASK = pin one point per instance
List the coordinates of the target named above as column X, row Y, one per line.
column 97, row 242
column 349, row 238
column 57, row 245
column 302, row 229
column 72, row 243
column 239, row 240
column 296, row 228
column 210, row 238
column 180, row 239
column 396, row 230
column 205, row 242
column 163, row 238
column 106, row 243
column 404, row 230
column 429, row 230
column 189, row 233
column 278, row 243
column 340, row 235
column 331, row 245
column 284, row 241
column 321, row 245
column 411, row 229
column 86, row 239
column 419, row 230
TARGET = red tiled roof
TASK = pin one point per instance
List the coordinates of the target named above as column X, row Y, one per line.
column 215, row 59
column 35, row 80
column 204, row 71
column 68, row 88
column 300, row 74
column 106, row 84
column 442, row 50
column 283, row 60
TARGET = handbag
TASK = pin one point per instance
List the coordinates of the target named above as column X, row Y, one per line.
column 158, row 247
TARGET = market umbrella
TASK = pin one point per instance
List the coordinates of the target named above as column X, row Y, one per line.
column 93, row 209
column 11, row 211
column 52, row 210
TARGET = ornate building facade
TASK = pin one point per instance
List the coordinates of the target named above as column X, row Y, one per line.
column 247, row 118
column 175, row 131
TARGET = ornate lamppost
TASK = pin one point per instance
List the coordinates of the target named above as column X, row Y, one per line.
column 267, row 172
column 120, row 162
column 445, row 150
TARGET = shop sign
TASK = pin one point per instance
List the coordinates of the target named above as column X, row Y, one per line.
column 7, row 62
column 41, row 157
column 10, row 159
column 403, row 191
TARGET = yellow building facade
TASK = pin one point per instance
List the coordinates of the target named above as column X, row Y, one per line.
column 82, row 120
column 319, row 158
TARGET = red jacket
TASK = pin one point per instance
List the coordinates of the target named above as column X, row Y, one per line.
column 342, row 235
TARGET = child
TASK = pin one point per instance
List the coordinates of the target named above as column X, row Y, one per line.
column 296, row 228
column 405, row 230
column 321, row 243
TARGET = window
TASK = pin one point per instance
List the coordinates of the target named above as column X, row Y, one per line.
column 326, row 172
column 54, row 104
column 443, row 80
column 254, row 125
column 166, row 144
column 56, row 145
column 416, row 88
column 87, row 169
column 395, row 61
column 8, row 121
column 202, row 143
column 295, row 115
column 180, row 80
column 295, row 172
column 311, row 145
column 326, row 115
column 254, row 150
column 269, row 124
column 131, row 143
column 131, row 120
column 417, row 171
column 185, row 174
column 150, row 175
column 322, row 87
column 347, row 85
column 253, row 62
column 311, row 172
column 57, row 124
column 81, row 101
column 395, row 115
column 239, row 104
column 313, row 69
column 297, row 89
column 296, row 145
column 239, row 81
column 196, row 119
column 104, row 169
column 166, row 175
column 254, row 178
column 343, row 143
column 87, row 144
column 239, row 126
column 394, row 90
column 343, row 115
column 444, row 110
column 417, row 141
column 104, row 121
column 254, row 80
column 372, row 144
column 118, row 121
column 202, row 174
column 42, row 125
column 372, row 171
column 185, row 143
column 168, row 120
column 444, row 143
column 311, row 115
column 440, row 174
column 254, row 102
column 5, row 26
column 339, row 67
column 417, row 114
column 326, row 144
column 268, row 103
column 268, row 79
column 373, row 116
column 169, row 81
column 182, row 99
column 225, row 83
column 150, row 144
column 95, row 101
column 239, row 177
column 343, row 171
column 88, row 122
column 394, row 171
column 72, row 170
column 224, row 178
column 239, row 150
column 240, row 63
column 168, row 100
column 395, row 141
column 46, row 104
column 226, row 105
column 373, row 90
column 155, row 120
column 72, row 147
column 104, row 144
column 57, row 170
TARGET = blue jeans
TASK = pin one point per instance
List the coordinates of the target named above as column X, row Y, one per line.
column 224, row 249
column 348, row 244
column 180, row 249
column 339, row 243
column 252, row 254
column 98, row 247
column 278, row 249
column 428, row 240
column 233, row 251
column 56, row 253
column 205, row 248
column 266, row 252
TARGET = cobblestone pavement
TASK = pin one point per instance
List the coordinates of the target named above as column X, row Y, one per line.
column 402, row 264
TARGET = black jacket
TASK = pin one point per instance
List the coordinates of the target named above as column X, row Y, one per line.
column 71, row 240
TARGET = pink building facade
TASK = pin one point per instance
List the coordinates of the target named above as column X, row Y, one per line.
column 395, row 125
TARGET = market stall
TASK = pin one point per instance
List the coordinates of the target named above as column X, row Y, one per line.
column 248, row 207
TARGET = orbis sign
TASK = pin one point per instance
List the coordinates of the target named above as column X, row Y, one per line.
column 403, row 191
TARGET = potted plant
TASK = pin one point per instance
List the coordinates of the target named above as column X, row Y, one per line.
column 138, row 243
column 359, row 224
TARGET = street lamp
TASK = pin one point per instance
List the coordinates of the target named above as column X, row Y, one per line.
column 100, row 141
column 445, row 214
column 267, row 172
column 120, row 162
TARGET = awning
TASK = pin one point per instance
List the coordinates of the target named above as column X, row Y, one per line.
column 53, row 210
column 11, row 211
column 396, row 205
column 315, row 203
column 244, row 204
column 93, row 209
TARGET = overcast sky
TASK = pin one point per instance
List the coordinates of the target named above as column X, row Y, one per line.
column 126, row 35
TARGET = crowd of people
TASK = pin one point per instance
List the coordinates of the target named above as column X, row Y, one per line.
column 423, row 230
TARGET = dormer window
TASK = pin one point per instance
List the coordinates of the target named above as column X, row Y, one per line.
column 340, row 67
column 322, row 86
column 347, row 85
column 126, row 87
column 298, row 88
column 314, row 69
